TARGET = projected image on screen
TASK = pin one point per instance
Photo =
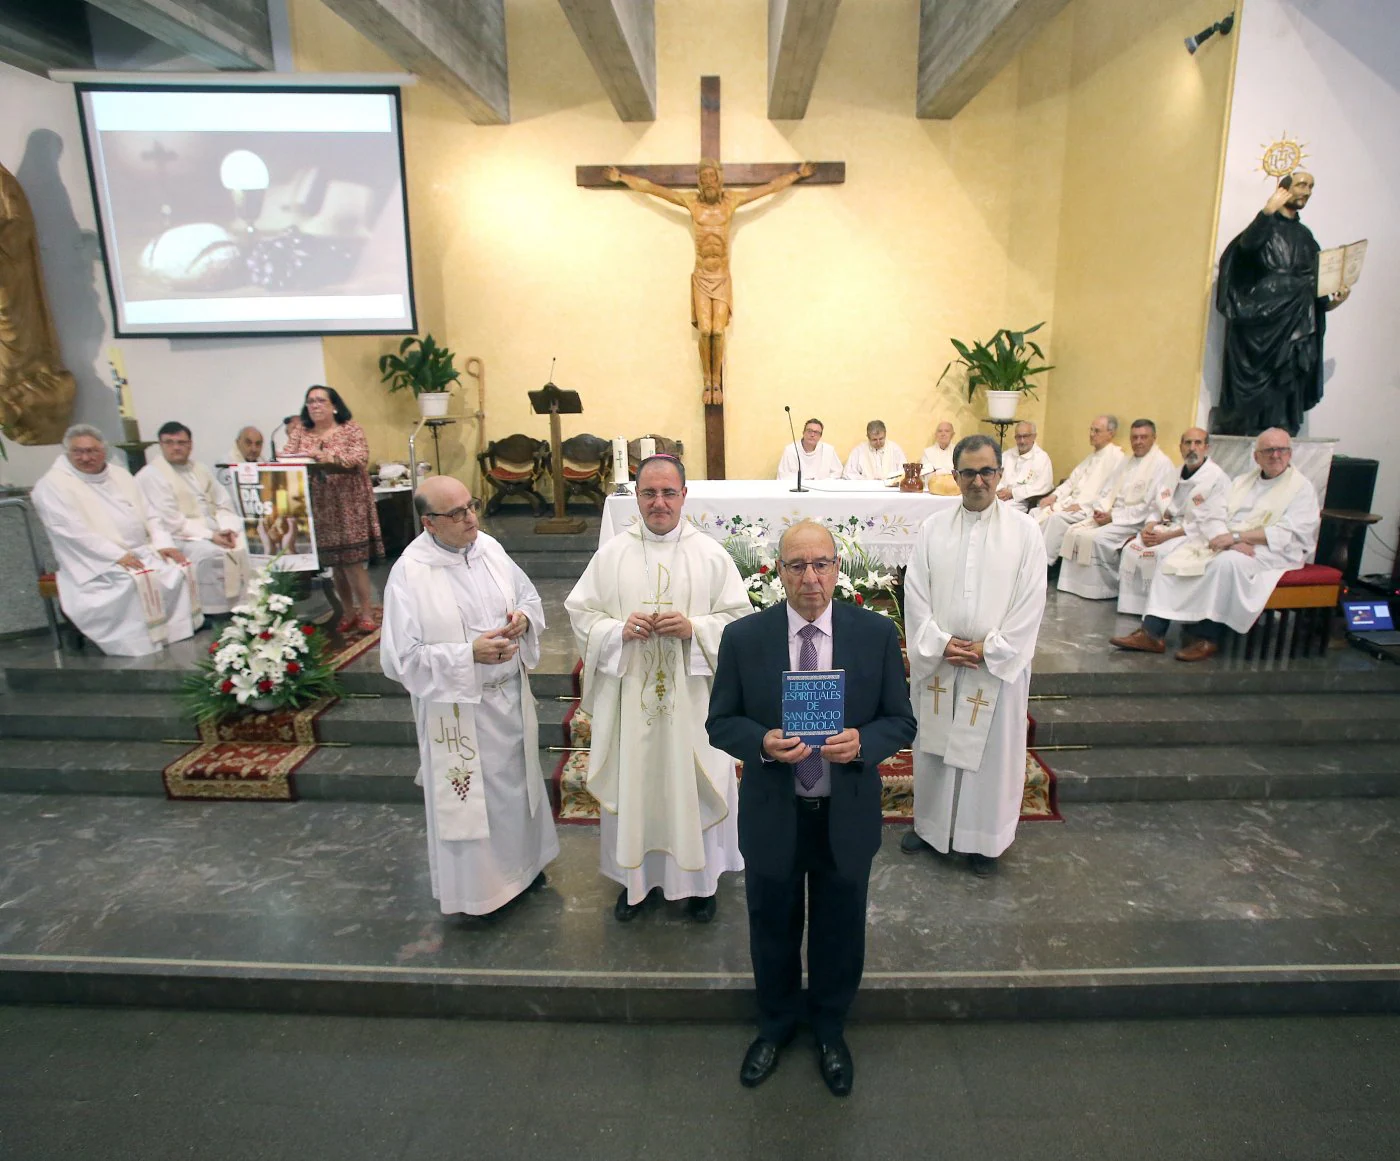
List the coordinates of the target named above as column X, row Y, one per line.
column 238, row 212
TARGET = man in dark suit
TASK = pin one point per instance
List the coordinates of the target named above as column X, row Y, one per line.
column 809, row 820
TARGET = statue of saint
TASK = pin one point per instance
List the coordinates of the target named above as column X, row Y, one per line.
column 711, row 208
column 1274, row 320
column 36, row 392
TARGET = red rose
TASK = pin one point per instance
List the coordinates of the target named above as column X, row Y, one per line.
column 860, row 600
column 308, row 629
column 264, row 636
column 265, row 685
column 214, row 648
column 762, row 570
column 293, row 668
column 227, row 687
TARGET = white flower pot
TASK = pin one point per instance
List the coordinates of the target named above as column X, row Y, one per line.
column 433, row 404
column 262, row 704
column 1002, row 404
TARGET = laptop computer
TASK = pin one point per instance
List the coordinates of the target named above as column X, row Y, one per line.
column 1370, row 622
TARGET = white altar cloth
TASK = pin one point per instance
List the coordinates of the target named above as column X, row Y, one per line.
column 883, row 521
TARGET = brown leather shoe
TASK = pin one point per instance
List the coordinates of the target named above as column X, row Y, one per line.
column 1198, row 651
column 1139, row 641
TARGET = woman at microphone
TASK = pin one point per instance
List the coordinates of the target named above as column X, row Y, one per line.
column 342, row 499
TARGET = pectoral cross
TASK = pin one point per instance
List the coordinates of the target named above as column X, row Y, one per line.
column 977, row 702
column 937, row 688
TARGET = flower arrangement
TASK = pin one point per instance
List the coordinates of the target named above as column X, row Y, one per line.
column 264, row 658
column 859, row 580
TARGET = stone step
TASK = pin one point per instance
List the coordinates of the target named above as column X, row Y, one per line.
column 1203, row 773
column 1123, row 910
column 370, row 721
column 1172, row 679
column 1286, row 719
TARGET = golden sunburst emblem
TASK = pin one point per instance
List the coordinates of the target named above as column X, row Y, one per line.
column 1282, row 157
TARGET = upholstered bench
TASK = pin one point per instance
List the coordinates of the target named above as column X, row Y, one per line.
column 1297, row 617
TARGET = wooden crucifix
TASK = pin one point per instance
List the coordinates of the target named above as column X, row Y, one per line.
column 711, row 209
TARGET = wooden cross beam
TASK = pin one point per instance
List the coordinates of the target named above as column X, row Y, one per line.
column 684, row 176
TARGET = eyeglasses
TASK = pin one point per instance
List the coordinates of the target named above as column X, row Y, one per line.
column 459, row 515
column 800, row 567
column 986, row 475
column 659, row 494
column 1275, row 451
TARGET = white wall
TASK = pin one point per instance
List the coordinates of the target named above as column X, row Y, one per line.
column 214, row 386
column 1327, row 72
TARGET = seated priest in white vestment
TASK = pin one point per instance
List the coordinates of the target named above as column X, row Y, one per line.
column 1192, row 505
column 818, row 460
column 1071, row 502
column 1026, row 472
column 121, row 580
column 974, row 595
column 936, row 464
column 196, row 511
column 878, row 458
column 1089, row 551
column 1271, row 522
column 247, row 449
column 461, row 632
column 648, row 614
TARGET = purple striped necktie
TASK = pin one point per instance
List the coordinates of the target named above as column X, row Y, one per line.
column 809, row 770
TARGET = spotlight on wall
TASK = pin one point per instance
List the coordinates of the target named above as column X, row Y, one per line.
column 1221, row 26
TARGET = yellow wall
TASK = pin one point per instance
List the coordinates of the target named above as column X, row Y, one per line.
column 1033, row 203
column 1143, row 148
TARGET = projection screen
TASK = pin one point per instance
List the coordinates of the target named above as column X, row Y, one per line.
column 240, row 211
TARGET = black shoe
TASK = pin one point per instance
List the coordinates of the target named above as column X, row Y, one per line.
column 536, row 883
column 982, row 866
column 912, row 844
column 625, row 912
column 760, row 1061
column 838, row 1069
column 701, row 908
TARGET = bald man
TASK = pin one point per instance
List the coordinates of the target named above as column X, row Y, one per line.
column 462, row 629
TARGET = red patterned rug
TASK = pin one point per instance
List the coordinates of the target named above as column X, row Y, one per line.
column 253, row 758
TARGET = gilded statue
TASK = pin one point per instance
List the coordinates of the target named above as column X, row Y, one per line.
column 711, row 208
column 36, row 392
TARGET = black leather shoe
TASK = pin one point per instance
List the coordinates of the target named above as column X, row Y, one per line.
column 838, row 1069
column 912, row 844
column 625, row 912
column 701, row 908
column 982, row 866
column 760, row 1061
column 536, row 883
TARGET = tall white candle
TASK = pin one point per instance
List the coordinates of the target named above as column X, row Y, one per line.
column 620, row 460
column 647, row 446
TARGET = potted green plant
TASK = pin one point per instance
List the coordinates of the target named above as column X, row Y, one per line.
column 1003, row 366
column 425, row 368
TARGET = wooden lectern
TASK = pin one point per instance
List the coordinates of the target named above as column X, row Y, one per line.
column 554, row 402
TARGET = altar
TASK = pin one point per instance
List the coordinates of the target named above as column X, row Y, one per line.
column 882, row 520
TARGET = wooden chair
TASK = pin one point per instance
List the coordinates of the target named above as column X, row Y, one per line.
column 513, row 467
column 1297, row 617
column 664, row 446
column 587, row 464
column 68, row 632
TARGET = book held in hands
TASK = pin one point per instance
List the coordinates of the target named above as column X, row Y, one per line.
column 814, row 704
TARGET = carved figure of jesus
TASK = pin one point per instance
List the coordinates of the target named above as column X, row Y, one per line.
column 711, row 209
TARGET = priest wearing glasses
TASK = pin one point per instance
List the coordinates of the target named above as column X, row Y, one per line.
column 974, row 595
column 647, row 614
column 809, row 819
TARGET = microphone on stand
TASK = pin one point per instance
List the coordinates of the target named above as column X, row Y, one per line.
column 796, row 451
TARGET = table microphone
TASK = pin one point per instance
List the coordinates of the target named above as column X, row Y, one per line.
column 796, row 451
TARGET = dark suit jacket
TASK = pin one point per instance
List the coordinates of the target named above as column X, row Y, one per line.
column 746, row 702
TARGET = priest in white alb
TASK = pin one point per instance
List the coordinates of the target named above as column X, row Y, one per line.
column 878, row 458
column 196, row 511
column 1272, row 520
column 121, row 580
column 818, row 459
column 1026, row 471
column 461, row 632
column 1193, row 504
column 936, row 464
column 1090, row 549
column 1070, row 502
column 247, row 449
column 648, row 614
column 974, row 595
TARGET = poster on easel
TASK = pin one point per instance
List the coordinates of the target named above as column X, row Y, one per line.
column 275, row 502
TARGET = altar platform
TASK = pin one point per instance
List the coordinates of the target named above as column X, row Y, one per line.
column 1230, row 843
